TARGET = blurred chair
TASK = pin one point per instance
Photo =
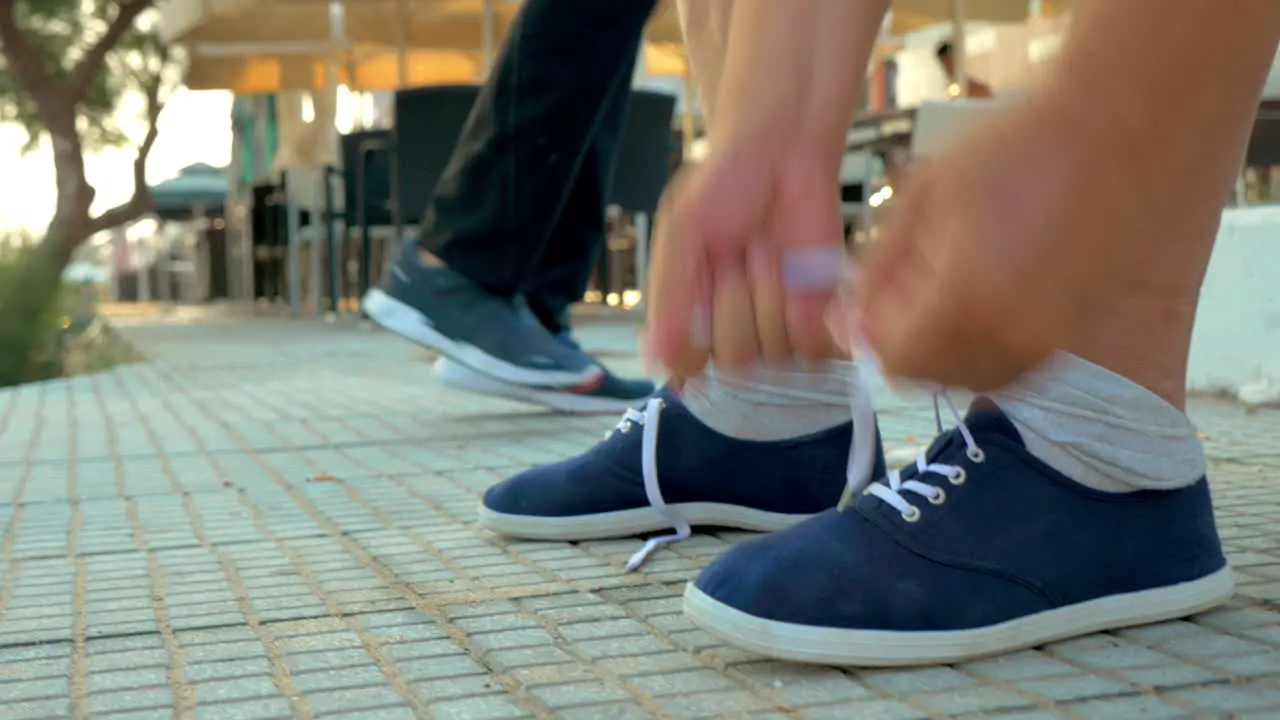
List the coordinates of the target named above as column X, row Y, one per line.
column 428, row 123
column 640, row 174
column 367, row 206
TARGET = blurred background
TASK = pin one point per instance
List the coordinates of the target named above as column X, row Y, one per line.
column 273, row 153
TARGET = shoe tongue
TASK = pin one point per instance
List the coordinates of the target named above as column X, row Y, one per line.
column 983, row 419
column 986, row 418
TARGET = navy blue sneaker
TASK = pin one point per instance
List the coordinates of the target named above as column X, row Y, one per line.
column 610, row 395
column 639, row 481
column 978, row 548
column 438, row 308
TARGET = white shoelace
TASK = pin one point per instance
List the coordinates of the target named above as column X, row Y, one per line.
column 861, row 462
column 648, row 419
column 814, row 268
column 893, row 488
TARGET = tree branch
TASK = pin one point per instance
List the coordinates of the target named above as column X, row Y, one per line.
column 23, row 62
column 91, row 64
column 141, row 202
column 136, row 207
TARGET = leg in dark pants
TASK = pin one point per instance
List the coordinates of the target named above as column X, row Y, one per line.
column 561, row 276
column 529, row 172
column 517, row 161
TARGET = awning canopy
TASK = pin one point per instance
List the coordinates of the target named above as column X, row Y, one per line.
column 364, row 69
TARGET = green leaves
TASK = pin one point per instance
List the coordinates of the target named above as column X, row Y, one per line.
column 60, row 35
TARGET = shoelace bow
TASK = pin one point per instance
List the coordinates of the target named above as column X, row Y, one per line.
column 648, row 420
column 892, row 489
column 816, row 269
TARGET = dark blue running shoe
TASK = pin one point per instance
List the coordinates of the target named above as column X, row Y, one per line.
column 444, row 311
column 641, row 480
column 978, row 548
column 610, row 395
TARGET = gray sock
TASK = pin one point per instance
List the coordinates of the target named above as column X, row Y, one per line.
column 1101, row 429
column 773, row 404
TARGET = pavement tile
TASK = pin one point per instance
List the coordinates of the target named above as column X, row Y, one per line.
column 335, row 547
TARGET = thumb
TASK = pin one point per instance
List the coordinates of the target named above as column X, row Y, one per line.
column 675, row 335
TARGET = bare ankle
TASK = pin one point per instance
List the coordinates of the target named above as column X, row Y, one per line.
column 1147, row 341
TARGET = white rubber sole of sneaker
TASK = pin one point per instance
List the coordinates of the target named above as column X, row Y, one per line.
column 626, row 523
column 455, row 374
column 407, row 322
column 882, row 648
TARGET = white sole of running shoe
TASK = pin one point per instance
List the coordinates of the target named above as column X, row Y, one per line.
column 403, row 320
column 455, row 374
column 627, row 523
column 882, row 648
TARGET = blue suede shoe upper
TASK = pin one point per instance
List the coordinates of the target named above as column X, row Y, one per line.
column 610, row 385
column 803, row 475
column 1015, row 538
column 464, row 312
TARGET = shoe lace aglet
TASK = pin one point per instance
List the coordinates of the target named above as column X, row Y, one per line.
column 846, row 497
column 643, row 554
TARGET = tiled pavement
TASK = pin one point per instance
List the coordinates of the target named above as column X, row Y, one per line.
column 274, row 520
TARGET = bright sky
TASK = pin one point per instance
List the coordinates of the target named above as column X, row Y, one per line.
column 194, row 127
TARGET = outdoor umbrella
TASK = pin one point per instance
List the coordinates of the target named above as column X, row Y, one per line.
column 363, row 69
column 443, row 24
column 286, row 39
column 197, row 188
column 277, row 28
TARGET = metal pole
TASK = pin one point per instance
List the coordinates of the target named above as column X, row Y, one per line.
column 960, row 46
column 315, row 297
column 487, row 37
column 293, row 246
column 144, row 265
column 362, row 216
column 402, row 45
column 248, row 250
column 331, row 240
column 641, row 221
column 392, row 251
column 362, row 219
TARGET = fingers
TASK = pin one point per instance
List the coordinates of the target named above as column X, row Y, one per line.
column 769, row 304
column 733, row 323
column 842, row 317
column 903, row 326
column 676, row 286
column 888, row 262
column 690, row 351
column 943, row 319
column 808, row 221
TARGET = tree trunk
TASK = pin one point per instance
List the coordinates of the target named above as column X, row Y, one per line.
column 71, row 222
column 30, row 289
column 30, row 284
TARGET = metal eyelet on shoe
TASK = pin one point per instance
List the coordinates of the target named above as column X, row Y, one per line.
column 911, row 515
column 958, row 476
column 976, row 454
column 940, row 497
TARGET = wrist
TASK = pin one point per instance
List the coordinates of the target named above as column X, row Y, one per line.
column 780, row 152
column 782, row 137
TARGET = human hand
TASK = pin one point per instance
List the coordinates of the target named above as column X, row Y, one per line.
column 715, row 289
column 993, row 257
